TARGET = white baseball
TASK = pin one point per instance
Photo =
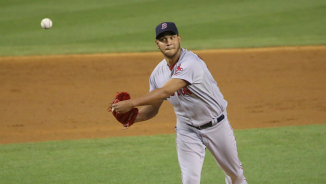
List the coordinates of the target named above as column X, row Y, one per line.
column 46, row 23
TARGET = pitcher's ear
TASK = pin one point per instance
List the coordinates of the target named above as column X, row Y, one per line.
column 157, row 44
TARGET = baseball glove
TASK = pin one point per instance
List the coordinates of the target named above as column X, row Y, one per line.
column 128, row 118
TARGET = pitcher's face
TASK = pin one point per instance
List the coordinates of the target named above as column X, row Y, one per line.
column 169, row 44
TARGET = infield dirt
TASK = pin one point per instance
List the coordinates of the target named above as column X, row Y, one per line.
column 48, row 98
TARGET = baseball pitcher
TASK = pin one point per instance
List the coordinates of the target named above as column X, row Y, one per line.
column 184, row 80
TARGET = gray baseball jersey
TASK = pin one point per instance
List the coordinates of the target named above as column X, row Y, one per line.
column 199, row 102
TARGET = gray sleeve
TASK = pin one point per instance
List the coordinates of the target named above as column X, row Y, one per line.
column 190, row 71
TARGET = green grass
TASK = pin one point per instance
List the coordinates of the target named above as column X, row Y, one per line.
column 99, row 26
column 272, row 155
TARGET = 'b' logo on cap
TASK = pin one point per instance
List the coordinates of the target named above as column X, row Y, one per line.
column 164, row 26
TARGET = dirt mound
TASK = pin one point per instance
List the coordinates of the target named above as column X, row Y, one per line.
column 65, row 97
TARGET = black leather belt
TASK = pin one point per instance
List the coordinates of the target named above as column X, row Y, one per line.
column 210, row 124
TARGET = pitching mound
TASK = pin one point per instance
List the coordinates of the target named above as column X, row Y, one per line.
column 46, row 98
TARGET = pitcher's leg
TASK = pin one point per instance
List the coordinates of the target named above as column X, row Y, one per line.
column 191, row 154
column 236, row 180
column 223, row 146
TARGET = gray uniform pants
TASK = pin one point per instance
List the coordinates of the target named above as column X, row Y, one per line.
column 220, row 141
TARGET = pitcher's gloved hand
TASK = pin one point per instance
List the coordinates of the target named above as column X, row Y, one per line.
column 127, row 118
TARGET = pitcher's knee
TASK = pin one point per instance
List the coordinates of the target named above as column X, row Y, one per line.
column 236, row 177
column 191, row 178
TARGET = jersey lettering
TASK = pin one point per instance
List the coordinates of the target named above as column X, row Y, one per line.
column 179, row 69
column 184, row 91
